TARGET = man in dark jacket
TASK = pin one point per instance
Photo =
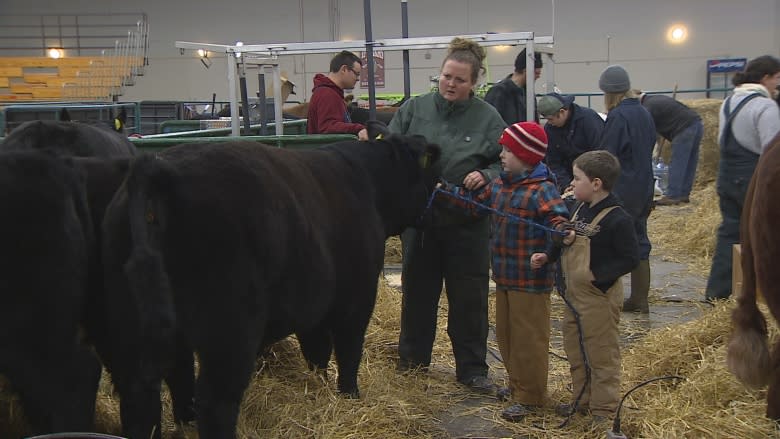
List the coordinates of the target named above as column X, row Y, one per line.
column 508, row 95
column 571, row 130
column 328, row 112
column 683, row 128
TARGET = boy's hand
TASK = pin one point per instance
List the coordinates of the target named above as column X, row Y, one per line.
column 571, row 235
column 537, row 260
column 568, row 192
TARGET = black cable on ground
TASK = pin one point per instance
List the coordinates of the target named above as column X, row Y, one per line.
column 616, row 423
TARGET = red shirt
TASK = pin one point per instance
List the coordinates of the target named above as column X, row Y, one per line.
column 327, row 110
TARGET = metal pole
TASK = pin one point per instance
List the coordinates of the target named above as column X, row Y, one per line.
column 231, row 77
column 261, row 103
column 549, row 73
column 370, row 60
column 405, row 34
column 530, row 78
column 278, row 126
column 244, row 98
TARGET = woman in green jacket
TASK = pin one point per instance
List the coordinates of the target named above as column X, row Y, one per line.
column 454, row 250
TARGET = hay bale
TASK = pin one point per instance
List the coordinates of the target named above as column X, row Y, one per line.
column 709, row 152
column 710, row 402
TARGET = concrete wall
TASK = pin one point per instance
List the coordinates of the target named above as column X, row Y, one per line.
column 589, row 35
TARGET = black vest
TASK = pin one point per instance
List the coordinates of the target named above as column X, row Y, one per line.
column 733, row 156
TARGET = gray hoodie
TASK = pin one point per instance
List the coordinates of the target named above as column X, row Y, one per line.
column 757, row 123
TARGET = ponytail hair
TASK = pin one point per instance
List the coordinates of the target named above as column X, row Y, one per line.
column 756, row 69
column 467, row 52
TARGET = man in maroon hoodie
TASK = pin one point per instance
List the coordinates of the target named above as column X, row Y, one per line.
column 327, row 110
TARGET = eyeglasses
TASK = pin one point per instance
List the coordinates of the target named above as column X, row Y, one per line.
column 357, row 74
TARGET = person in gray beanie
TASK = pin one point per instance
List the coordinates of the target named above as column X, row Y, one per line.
column 614, row 79
column 629, row 134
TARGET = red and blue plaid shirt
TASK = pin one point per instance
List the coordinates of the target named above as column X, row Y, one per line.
column 532, row 196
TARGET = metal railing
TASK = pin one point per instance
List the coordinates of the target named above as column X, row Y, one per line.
column 713, row 93
column 14, row 115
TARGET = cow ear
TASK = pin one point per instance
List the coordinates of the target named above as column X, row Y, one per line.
column 64, row 115
column 376, row 129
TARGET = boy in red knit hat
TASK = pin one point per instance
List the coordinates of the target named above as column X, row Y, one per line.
column 525, row 189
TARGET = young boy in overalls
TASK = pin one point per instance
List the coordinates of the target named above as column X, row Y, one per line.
column 604, row 249
column 526, row 188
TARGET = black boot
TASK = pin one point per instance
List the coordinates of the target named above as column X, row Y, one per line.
column 640, row 286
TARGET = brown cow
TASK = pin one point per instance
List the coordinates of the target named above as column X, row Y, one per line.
column 748, row 352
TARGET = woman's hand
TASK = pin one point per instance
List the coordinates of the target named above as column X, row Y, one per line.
column 474, row 180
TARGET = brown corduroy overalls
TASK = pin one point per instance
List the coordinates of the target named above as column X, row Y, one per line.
column 599, row 314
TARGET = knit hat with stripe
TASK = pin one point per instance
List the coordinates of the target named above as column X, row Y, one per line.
column 526, row 140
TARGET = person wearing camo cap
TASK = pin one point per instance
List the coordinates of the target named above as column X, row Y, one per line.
column 571, row 130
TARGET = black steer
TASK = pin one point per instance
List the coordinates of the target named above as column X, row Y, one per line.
column 240, row 244
column 45, row 239
column 104, row 154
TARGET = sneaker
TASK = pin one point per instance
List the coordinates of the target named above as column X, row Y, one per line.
column 503, row 393
column 480, row 384
column 516, row 412
column 566, row 410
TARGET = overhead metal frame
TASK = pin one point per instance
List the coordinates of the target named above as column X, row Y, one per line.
column 267, row 54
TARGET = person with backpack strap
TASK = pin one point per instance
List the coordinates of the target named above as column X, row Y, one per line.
column 749, row 119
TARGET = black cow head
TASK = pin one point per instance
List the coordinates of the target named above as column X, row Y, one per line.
column 411, row 177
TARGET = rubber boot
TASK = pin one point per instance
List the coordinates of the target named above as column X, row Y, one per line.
column 640, row 286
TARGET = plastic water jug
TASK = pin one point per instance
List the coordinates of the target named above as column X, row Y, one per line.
column 661, row 174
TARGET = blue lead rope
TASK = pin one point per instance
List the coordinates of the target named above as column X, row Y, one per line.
column 509, row 216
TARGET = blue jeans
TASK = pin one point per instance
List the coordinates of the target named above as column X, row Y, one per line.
column 732, row 187
column 685, row 157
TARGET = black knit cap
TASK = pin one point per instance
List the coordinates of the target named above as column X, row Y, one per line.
column 520, row 61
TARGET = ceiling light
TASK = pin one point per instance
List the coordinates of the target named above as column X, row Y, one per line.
column 55, row 53
column 677, row 34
